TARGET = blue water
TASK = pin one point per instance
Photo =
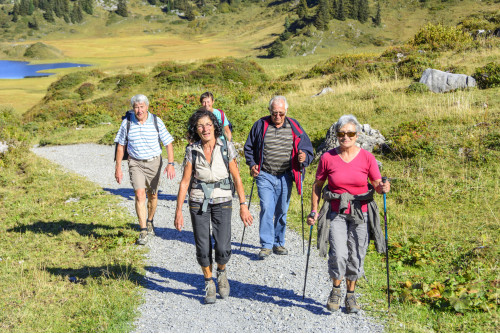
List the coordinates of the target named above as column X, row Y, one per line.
column 22, row 69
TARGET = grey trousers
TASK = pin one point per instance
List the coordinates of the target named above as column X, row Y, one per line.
column 219, row 217
column 348, row 245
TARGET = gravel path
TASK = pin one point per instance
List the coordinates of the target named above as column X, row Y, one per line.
column 266, row 296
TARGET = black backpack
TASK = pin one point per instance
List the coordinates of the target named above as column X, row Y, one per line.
column 128, row 116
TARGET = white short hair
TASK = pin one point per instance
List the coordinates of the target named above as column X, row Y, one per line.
column 139, row 98
column 278, row 98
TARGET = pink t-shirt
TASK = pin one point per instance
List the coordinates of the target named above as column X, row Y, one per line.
column 349, row 177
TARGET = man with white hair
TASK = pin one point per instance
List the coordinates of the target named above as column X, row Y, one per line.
column 140, row 134
column 276, row 150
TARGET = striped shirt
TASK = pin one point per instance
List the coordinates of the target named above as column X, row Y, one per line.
column 143, row 138
column 278, row 145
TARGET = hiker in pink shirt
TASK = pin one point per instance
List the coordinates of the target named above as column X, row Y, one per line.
column 350, row 197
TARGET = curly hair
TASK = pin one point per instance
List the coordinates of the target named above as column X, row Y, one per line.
column 193, row 122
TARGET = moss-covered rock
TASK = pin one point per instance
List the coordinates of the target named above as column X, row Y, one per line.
column 40, row 50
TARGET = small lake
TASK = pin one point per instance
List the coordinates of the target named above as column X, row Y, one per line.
column 23, row 69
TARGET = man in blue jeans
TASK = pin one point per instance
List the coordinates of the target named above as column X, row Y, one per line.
column 276, row 150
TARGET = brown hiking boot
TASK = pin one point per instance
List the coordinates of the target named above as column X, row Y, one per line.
column 264, row 252
column 280, row 250
column 350, row 303
column 333, row 303
column 223, row 284
column 210, row 296
column 150, row 227
column 143, row 237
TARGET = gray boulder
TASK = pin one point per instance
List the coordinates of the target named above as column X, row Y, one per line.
column 439, row 81
column 367, row 139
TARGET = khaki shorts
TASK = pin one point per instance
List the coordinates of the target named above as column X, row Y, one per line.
column 145, row 174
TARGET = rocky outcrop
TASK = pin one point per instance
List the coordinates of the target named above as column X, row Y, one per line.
column 440, row 82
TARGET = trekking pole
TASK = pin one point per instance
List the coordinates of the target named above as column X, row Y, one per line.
column 307, row 262
column 302, row 206
column 384, row 179
column 249, row 202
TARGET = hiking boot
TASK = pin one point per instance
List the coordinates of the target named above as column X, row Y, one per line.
column 210, row 292
column 264, row 252
column 333, row 303
column 350, row 303
column 150, row 227
column 280, row 250
column 223, row 283
column 143, row 237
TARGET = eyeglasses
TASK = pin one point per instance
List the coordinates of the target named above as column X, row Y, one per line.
column 202, row 126
column 276, row 114
column 349, row 134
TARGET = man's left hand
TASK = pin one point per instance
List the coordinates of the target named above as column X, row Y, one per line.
column 170, row 170
column 302, row 157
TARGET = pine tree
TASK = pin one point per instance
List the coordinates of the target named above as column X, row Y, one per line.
column 24, row 7
column 277, row 49
column 333, row 9
column 77, row 13
column 363, row 11
column 15, row 13
column 322, row 16
column 302, row 9
column 287, row 23
column 378, row 19
column 31, row 7
column 188, row 13
column 121, row 8
column 49, row 16
column 351, row 8
column 88, row 6
column 340, row 10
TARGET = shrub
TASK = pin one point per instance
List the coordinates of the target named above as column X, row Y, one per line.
column 413, row 66
column 442, row 38
column 488, row 76
column 68, row 81
column 417, row 88
column 410, row 139
column 86, row 90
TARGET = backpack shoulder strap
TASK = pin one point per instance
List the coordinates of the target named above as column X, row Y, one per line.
column 128, row 116
column 155, row 121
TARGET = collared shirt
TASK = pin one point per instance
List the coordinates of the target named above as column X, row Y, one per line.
column 143, row 138
column 218, row 115
column 278, row 145
column 210, row 172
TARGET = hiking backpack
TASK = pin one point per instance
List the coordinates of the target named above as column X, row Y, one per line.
column 128, row 116
column 209, row 187
column 223, row 117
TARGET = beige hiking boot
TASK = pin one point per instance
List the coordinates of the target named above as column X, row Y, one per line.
column 223, row 284
column 351, row 305
column 333, row 303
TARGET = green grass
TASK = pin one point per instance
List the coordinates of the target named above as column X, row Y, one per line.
column 68, row 260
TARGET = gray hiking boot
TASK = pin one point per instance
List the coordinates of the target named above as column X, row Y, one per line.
column 143, row 237
column 333, row 303
column 350, row 303
column 280, row 250
column 223, row 284
column 150, row 227
column 264, row 252
column 210, row 292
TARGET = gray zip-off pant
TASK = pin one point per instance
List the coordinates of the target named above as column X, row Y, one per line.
column 348, row 245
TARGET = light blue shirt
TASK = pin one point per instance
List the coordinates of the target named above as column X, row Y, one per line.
column 143, row 138
column 218, row 115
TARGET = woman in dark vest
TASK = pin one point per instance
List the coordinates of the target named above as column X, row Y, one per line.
column 208, row 164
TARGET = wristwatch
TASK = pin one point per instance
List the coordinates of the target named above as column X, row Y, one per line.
column 244, row 203
column 312, row 214
column 171, row 163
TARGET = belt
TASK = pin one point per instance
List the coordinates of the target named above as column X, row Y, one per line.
column 146, row 160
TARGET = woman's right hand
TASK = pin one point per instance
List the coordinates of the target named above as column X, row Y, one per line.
column 312, row 220
column 179, row 221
